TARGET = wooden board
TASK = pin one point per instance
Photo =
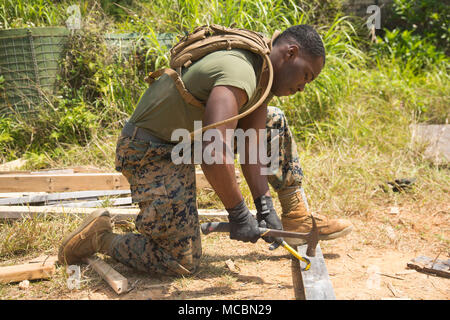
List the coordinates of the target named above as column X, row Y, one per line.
column 20, row 194
column 297, row 280
column 95, row 203
column 427, row 265
column 40, row 269
column 316, row 281
column 47, row 182
column 20, row 212
column 117, row 282
column 62, row 182
column 119, row 214
column 44, row 197
column 82, row 169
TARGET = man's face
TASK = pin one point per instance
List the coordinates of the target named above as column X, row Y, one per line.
column 293, row 70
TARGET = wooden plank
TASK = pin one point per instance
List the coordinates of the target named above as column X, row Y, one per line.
column 119, row 214
column 428, row 265
column 28, row 271
column 63, row 182
column 8, row 169
column 20, row 212
column 75, row 182
column 20, row 194
column 62, row 196
column 297, row 280
column 117, row 282
column 95, row 203
column 316, row 281
column 56, row 171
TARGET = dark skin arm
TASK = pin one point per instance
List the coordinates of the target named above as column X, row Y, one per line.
column 223, row 103
column 252, row 172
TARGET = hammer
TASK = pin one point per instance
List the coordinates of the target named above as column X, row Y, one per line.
column 312, row 237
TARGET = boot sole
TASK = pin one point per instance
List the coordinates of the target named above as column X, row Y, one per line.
column 86, row 222
column 293, row 242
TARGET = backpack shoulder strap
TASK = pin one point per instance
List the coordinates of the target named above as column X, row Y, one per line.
column 185, row 94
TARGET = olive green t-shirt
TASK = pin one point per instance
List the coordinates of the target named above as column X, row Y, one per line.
column 161, row 109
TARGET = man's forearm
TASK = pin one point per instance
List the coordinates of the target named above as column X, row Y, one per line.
column 256, row 182
column 223, row 180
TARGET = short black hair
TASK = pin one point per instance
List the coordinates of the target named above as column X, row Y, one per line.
column 307, row 38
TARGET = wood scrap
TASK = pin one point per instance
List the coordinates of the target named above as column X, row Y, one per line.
column 297, row 280
column 393, row 290
column 20, row 194
column 389, row 276
column 232, row 266
column 63, row 182
column 28, row 271
column 45, row 197
column 117, row 282
column 428, row 265
column 316, row 281
column 118, row 214
column 95, row 203
column 21, row 212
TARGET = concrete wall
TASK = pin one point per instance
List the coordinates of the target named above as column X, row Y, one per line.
column 359, row 8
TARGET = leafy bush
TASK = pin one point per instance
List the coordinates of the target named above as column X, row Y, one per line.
column 411, row 50
column 416, row 36
column 428, row 18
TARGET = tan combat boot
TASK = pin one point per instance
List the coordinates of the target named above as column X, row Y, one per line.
column 296, row 217
column 94, row 235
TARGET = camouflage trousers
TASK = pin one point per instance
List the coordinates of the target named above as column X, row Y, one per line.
column 168, row 239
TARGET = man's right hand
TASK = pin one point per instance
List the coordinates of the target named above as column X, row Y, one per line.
column 243, row 226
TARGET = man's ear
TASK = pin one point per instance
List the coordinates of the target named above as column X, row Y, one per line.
column 293, row 51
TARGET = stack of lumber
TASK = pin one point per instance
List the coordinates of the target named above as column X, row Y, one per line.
column 73, row 191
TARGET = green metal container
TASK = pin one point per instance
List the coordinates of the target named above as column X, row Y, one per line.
column 125, row 42
column 29, row 64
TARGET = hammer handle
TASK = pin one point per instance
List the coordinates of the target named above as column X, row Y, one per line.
column 209, row 227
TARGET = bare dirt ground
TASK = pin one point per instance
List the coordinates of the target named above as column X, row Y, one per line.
column 369, row 264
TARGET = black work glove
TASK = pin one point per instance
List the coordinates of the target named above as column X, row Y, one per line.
column 267, row 217
column 243, row 226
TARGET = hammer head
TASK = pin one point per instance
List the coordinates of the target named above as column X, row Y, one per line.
column 313, row 239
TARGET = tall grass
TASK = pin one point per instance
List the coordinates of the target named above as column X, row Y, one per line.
column 358, row 98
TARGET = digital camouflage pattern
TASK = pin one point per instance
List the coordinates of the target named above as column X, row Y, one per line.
column 169, row 240
column 169, row 234
column 289, row 172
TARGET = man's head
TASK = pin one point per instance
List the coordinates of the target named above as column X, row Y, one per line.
column 297, row 56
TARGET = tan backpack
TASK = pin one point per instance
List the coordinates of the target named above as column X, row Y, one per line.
column 209, row 38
